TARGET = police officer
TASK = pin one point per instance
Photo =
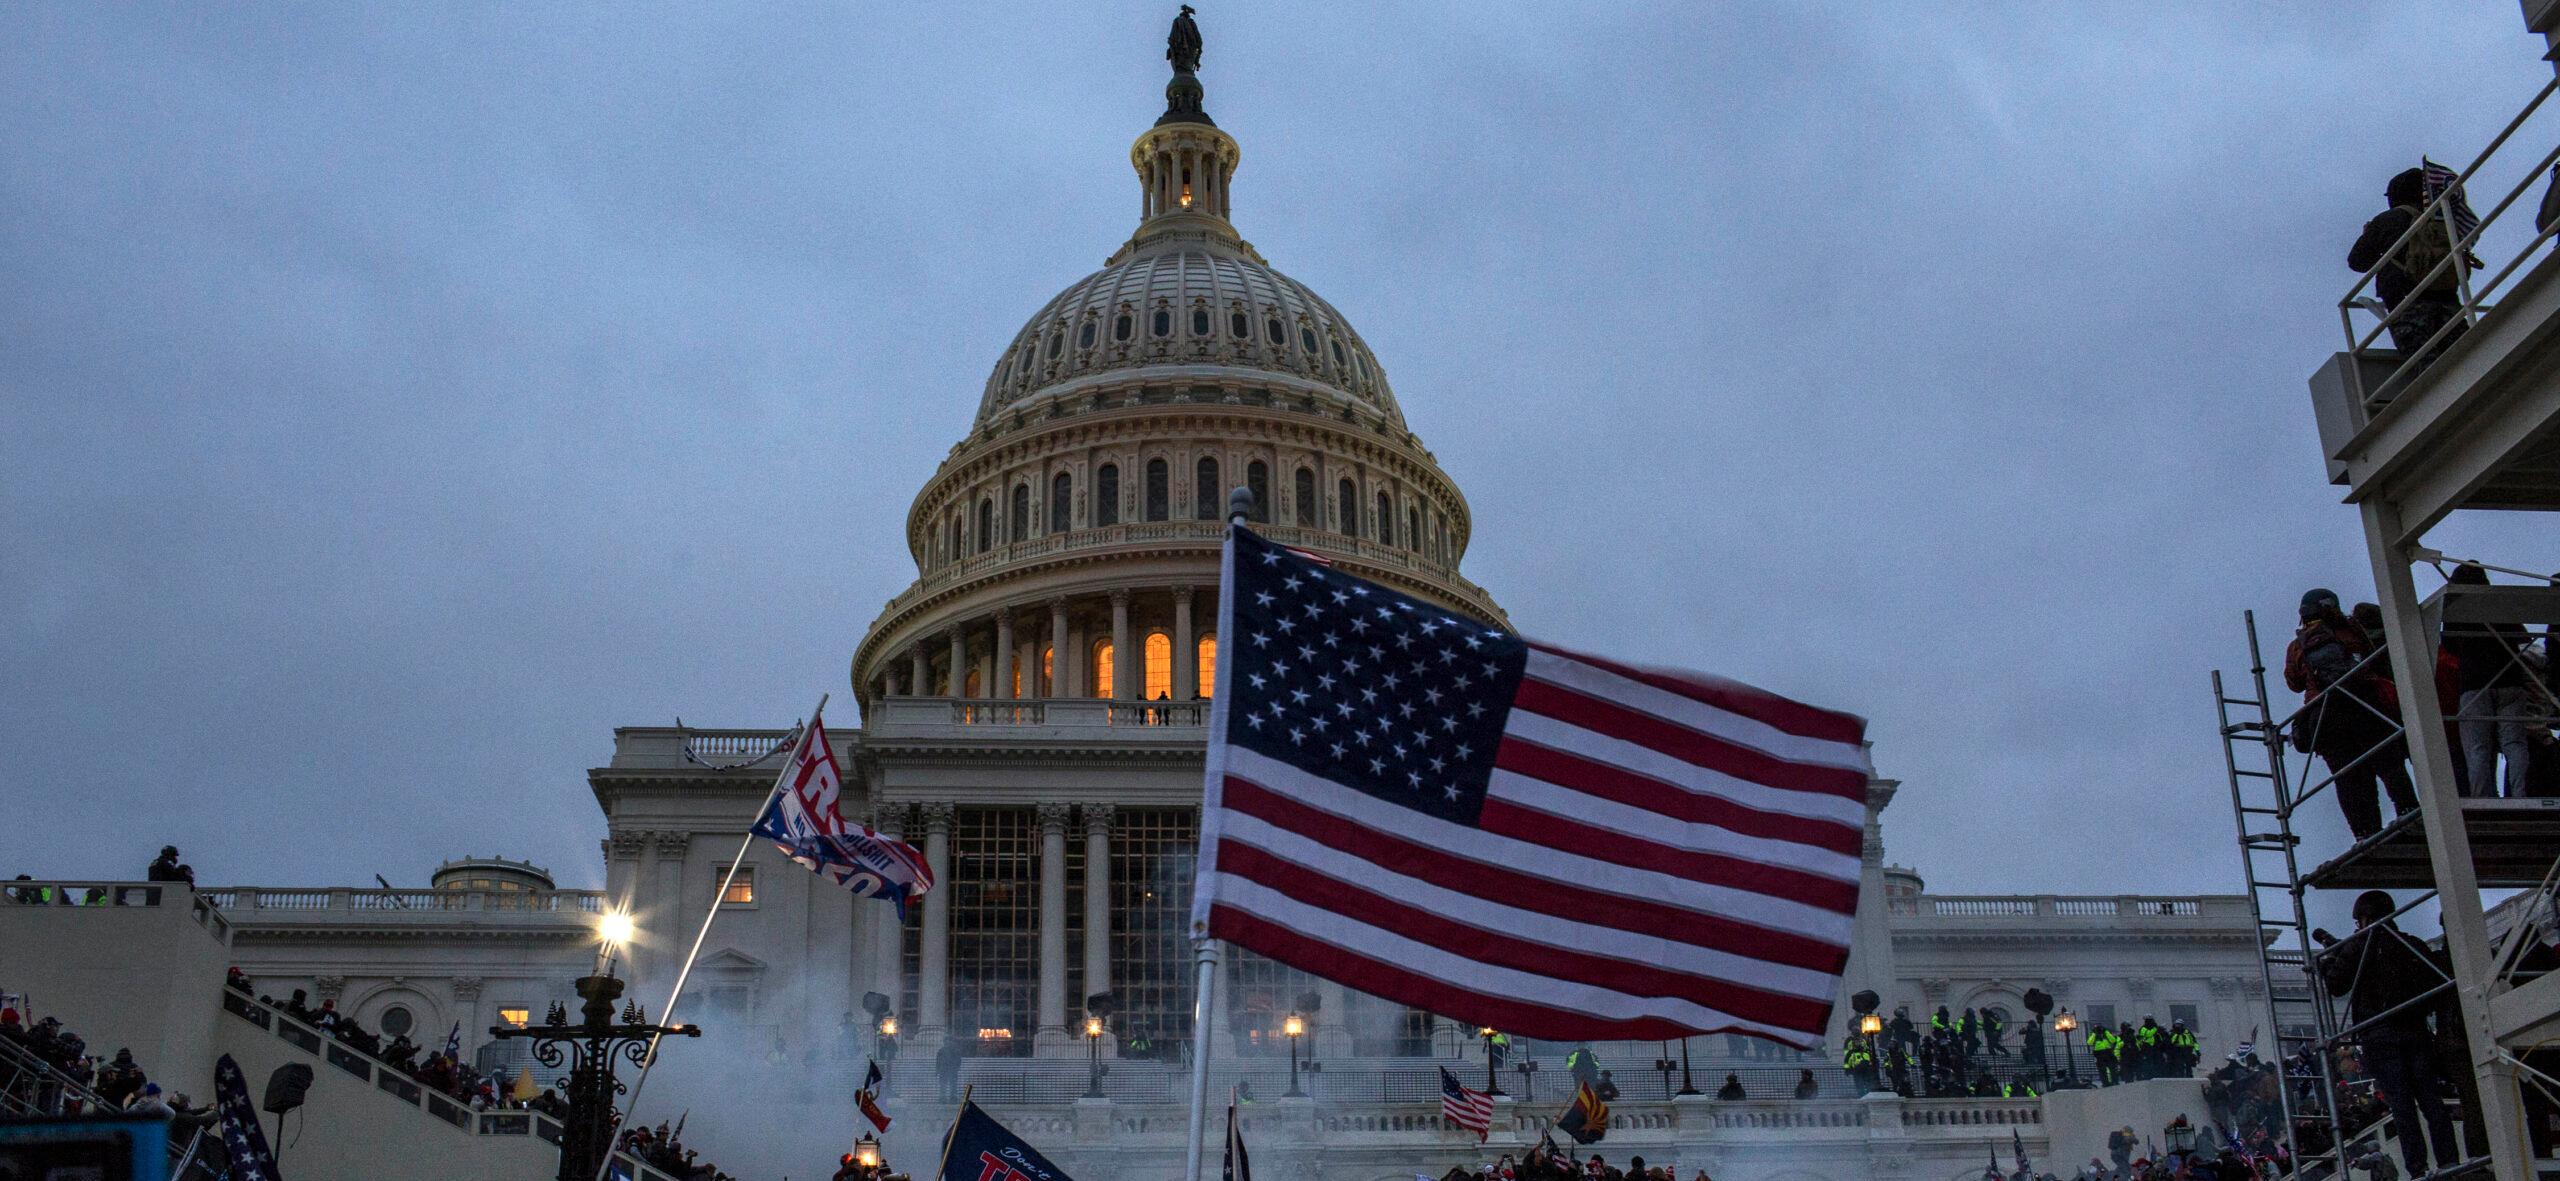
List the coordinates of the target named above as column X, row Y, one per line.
column 1857, row 1057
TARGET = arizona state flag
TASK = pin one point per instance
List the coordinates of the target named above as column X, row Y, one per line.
column 1588, row 1119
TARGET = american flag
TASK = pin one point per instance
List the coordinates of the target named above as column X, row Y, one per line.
column 1472, row 1110
column 1444, row 815
column 2440, row 178
column 241, row 1134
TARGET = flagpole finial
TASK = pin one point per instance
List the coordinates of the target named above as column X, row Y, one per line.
column 1239, row 505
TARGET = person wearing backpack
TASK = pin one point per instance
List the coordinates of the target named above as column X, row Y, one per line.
column 2421, row 296
column 2349, row 710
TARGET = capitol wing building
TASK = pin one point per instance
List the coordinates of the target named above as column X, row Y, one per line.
column 1033, row 719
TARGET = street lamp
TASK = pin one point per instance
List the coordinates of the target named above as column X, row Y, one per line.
column 1492, row 1085
column 586, row 1137
column 1093, row 1056
column 1687, row 1087
column 1870, row 1025
column 866, row 1151
column 2064, row 1023
column 1294, row 1026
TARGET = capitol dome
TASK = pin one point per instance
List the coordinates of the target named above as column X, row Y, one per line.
column 1162, row 312
column 1068, row 545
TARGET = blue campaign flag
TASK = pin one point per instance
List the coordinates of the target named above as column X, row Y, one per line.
column 980, row 1149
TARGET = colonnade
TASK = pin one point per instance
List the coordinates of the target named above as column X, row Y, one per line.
column 1004, row 649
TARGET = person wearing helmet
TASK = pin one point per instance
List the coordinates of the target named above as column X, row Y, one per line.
column 2383, row 974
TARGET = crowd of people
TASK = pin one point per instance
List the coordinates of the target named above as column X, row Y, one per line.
column 1546, row 1162
column 2493, row 679
column 1968, row 1054
column 663, row 1149
column 52, row 1073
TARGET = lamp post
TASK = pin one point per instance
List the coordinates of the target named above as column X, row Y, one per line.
column 866, row 1151
column 592, row 1044
column 1687, row 1087
column 1092, row 1056
column 1869, row 1026
column 1528, row 1069
column 1492, row 1085
column 1663, row 1065
column 1294, row 1026
column 2064, row 1023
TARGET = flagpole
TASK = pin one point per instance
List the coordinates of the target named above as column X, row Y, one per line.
column 953, row 1132
column 667, row 1015
column 1205, row 950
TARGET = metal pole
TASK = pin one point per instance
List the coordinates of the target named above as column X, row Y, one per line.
column 1204, row 951
column 667, row 1015
column 1687, row 1087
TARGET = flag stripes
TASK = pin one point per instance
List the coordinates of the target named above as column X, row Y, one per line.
column 1515, row 834
column 1465, row 1107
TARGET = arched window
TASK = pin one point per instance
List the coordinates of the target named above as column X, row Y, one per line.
column 1102, row 668
column 1159, row 490
column 1106, row 494
column 1208, row 658
column 1057, row 341
column 1350, row 508
column 1237, row 326
column 1062, row 500
column 1307, row 338
column 1120, row 327
column 1307, row 511
column 1049, row 670
column 1413, row 529
column 1272, row 327
column 1200, row 321
column 1337, row 353
column 986, row 524
column 1021, row 512
column 1207, row 500
column 1084, row 335
column 1163, row 324
column 1386, row 520
column 1158, row 684
column 1258, row 478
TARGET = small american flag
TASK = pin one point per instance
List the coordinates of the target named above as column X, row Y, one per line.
column 1472, row 1110
column 1442, row 814
column 2457, row 206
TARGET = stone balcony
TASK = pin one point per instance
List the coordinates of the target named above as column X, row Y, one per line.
column 2109, row 909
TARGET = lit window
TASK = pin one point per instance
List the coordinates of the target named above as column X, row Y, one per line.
column 1102, row 669
column 1159, row 682
column 1049, row 670
column 1208, row 664
column 519, row 1018
column 742, row 889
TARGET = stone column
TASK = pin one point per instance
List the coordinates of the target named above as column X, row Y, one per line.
column 959, row 678
column 889, row 683
column 1186, row 662
column 1097, row 898
column 918, row 680
column 1003, row 686
column 1128, row 668
column 933, row 998
column 1052, row 1009
column 1059, row 649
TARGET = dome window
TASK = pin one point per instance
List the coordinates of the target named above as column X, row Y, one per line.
column 1120, row 327
column 1350, row 496
column 1021, row 513
column 1163, row 324
column 1257, row 478
column 1057, row 343
column 1159, row 490
column 1084, row 336
column 1239, row 327
column 1061, row 497
column 1306, row 338
column 1338, row 359
column 1386, row 520
column 1199, row 321
column 1309, row 512
column 1204, row 489
column 1277, row 333
column 986, row 524
column 1106, row 494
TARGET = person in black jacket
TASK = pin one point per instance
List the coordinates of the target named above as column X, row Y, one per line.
column 2418, row 310
column 2497, row 697
column 2383, row 974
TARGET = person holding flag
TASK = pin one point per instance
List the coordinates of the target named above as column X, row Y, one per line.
column 980, row 1149
column 867, row 1098
column 1587, row 1120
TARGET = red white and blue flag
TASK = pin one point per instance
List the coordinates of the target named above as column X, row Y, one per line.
column 1445, row 815
column 801, row 819
column 1469, row 1109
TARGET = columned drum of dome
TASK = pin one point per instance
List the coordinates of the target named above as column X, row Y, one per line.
column 1078, row 523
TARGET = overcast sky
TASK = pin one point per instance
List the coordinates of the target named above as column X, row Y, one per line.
column 396, row 398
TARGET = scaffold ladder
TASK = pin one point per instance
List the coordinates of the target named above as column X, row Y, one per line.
column 2262, row 804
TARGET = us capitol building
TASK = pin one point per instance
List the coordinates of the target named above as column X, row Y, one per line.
column 1032, row 718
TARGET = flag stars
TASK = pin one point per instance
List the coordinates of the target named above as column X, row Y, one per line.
column 1293, row 582
column 1262, row 598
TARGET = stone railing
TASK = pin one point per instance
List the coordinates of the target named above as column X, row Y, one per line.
column 2028, row 906
column 202, row 905
column 388, row 904
column 895, row 715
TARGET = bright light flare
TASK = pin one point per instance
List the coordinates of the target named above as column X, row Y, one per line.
column 616, row 928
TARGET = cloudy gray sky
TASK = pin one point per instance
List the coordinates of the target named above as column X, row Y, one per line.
column 394, row 399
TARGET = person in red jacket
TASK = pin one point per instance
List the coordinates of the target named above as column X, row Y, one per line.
column 2350, row 715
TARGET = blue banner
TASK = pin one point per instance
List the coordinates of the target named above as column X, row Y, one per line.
column 980, row 1149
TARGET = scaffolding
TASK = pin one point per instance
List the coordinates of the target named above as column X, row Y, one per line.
column 2463, row 414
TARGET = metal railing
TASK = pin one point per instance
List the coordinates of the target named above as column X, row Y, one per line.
column 2020, row 906
column 2458, row 262
column 381, row 903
